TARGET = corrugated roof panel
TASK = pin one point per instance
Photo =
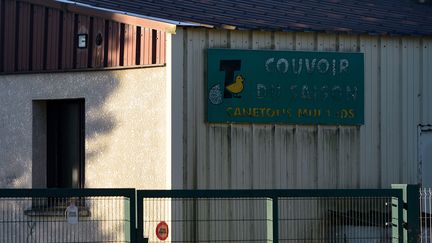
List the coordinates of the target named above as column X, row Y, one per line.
column 398, row 17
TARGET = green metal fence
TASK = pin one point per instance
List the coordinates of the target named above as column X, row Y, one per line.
column 272, row 215
column 41, row 215
column 109, row 215
column 425, row 215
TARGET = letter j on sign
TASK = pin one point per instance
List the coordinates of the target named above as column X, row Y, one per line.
column 288, row 87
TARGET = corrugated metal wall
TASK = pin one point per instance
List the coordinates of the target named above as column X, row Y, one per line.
column 398, row 88
column 43, row 37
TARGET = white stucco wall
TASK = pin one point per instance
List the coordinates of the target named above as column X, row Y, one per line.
column 126, row 138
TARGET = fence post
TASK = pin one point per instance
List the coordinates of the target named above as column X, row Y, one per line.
column 269, row 220
column 132, row 215
column 275, row 219
column 140, row 218
column 411, row 209
column 397, row 218
column 272, row 218
column 413, row 197
column 128, row 225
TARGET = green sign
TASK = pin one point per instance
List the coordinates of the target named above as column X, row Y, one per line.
column 292, row 87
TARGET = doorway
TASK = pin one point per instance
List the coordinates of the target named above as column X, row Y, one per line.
column 425, row 156
column 65, row 143
column 58, row 143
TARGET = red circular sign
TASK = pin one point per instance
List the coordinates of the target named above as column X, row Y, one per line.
column 162, row 230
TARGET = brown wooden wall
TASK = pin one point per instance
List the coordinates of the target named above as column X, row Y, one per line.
column 38, row 37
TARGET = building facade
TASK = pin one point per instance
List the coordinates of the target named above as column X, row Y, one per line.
column 98, row 94
column 382, row 151
column 84, row 97
column 134, row 78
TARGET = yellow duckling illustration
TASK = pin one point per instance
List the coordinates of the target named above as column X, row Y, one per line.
column 237, row 86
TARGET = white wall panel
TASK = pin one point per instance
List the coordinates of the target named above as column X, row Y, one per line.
column 370, row 166
column 328, row 136
column 284, row 156
column 426, row 81
column 390, row 110
column 410, row 112
column 376, row 154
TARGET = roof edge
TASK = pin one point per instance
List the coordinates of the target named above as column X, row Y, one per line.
column 123, row 17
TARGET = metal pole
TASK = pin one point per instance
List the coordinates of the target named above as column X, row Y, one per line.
column 400, row 219
column 411, row 221
column 132, row 215
column 413, row 208
column 139, row 234
column 275, row 220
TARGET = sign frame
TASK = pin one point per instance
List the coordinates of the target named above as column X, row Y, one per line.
column 284, row 87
